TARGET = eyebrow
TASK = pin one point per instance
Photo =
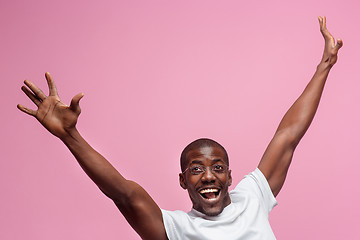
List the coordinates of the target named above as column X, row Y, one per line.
column 201, row 162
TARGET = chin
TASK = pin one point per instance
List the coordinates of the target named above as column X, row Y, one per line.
column 212, row 212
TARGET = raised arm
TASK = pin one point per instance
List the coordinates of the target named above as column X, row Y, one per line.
column 133, row 201
column 277, row 157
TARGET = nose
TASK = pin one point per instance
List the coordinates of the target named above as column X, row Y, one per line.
column 208, row 176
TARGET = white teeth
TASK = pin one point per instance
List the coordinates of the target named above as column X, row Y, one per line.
column 209, row 190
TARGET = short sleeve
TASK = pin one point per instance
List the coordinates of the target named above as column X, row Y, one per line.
column 173, row 221
column 256, row 184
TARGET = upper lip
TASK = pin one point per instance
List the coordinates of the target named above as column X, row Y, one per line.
column 209, row 187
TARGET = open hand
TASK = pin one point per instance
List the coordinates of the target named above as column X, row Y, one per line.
column 54, row 115
column 331, row 49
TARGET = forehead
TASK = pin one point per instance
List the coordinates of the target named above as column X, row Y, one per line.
column 205, row 153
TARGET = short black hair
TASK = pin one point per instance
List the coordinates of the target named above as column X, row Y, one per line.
column 199, row 143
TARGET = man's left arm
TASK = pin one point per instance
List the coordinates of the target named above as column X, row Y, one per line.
column 277, row 157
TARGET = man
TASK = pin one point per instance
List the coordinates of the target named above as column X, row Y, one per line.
column 216, row 214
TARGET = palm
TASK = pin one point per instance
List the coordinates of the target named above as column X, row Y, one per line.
column 54, row 115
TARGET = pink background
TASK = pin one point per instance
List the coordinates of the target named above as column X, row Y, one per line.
column 159, row 74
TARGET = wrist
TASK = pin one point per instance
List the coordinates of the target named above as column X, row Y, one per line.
column 328, row 60
column 70, row 135
column 324, row 66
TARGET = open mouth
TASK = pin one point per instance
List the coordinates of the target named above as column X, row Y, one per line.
column 209, row 193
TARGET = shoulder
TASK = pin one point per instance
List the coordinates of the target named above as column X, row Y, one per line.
column 174, row 223
column 178, row 214
column 254, row 185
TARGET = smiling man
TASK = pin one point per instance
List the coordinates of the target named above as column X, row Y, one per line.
column 206, row 176
column 217, row 214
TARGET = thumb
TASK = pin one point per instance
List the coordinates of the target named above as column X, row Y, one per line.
column 74, row 105
column 339, row 44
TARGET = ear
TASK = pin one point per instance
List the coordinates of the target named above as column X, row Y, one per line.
column 182, row 181
column 230, row 178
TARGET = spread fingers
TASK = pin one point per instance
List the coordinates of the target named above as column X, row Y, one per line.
column 51, row 84
column 33, row 98
column 37, row 92
column 26, row 110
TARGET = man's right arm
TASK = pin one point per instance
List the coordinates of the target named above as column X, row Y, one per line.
column 139, row 209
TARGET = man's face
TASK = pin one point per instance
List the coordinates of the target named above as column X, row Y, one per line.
column 208, row 191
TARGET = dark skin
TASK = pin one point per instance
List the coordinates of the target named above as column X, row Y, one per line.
column 139, row 209
column 276, row 160
column 207, row 156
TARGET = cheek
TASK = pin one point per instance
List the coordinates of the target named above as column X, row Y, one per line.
column 225, row 180
column 192, row 182
column 228, row 180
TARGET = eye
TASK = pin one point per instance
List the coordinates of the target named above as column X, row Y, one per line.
column 219, row 168
column 197, row 169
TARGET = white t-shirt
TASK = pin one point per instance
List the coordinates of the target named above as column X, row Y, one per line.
column 245, row 218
